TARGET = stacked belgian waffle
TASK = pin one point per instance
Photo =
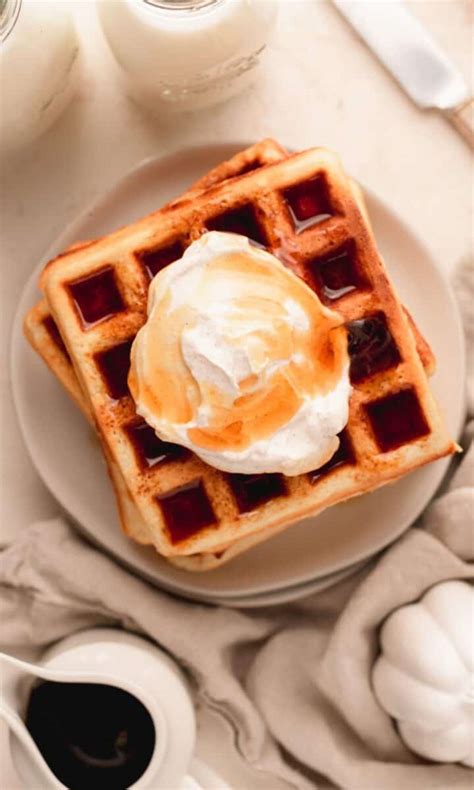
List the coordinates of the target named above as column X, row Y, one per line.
column 306, row 211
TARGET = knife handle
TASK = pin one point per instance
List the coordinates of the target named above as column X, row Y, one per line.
column 462, row 117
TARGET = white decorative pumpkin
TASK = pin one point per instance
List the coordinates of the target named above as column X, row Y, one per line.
column 424, row 676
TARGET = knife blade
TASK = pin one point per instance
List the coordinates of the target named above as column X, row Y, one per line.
column 411, row 55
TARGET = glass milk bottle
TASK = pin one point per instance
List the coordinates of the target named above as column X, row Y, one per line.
column 187, row 54
column 38, row 67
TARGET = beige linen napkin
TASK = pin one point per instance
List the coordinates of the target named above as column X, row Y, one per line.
column 293, row 681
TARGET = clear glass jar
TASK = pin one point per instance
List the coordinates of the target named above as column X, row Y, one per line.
column 187, row 54
column 38, row 67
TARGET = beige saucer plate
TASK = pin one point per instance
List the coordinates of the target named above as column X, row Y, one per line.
column 311, row 554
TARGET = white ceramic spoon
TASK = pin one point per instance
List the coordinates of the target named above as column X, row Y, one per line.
column 14, row 673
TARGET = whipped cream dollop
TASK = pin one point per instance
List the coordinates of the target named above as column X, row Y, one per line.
column 240, row 361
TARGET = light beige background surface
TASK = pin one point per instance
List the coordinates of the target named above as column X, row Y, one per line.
column 321, row 86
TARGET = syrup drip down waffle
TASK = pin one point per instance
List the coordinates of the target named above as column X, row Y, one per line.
column 304, row 210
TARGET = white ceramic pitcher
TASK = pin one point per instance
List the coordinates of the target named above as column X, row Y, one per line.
column 113, row 658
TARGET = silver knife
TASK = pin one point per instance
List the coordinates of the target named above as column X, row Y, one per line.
column 415, row 60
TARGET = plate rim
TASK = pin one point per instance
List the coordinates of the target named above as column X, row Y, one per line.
column 16, row 333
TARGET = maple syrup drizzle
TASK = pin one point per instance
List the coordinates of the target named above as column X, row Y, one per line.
column 241, row 220
column 149, row 449
column 336, row 274
column 96, row 296
column 343, row 456
column 308, row 203
column 156, row 260
column 186, row 511
column 114, row 365
column 397, row 419
column 372, row 348
column 252, row 491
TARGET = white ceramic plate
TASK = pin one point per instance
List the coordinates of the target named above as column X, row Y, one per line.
column 66, row 455
column 285, row 594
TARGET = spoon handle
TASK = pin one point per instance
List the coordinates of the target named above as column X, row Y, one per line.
column 18, row 728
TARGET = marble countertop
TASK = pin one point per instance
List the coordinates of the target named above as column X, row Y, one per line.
column 320, row 86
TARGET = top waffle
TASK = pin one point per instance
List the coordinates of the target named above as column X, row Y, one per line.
column 303, row 210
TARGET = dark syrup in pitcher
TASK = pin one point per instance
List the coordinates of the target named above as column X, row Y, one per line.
column 93, row 736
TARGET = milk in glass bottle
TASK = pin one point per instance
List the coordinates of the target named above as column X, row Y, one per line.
column 187, row 54
column 38, row 67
